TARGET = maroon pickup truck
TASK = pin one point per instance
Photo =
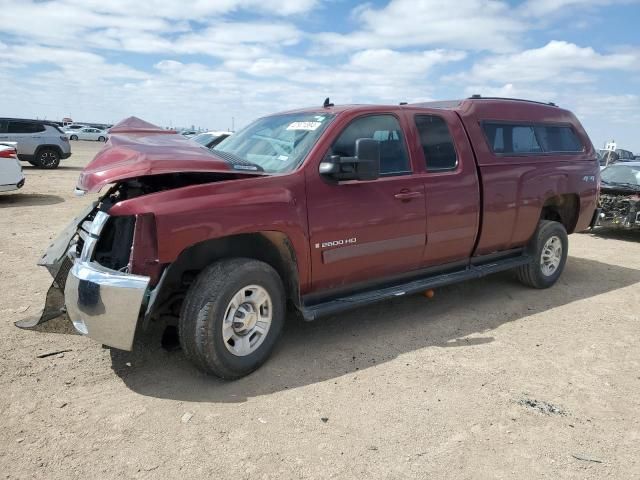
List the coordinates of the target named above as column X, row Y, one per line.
column 318, row 211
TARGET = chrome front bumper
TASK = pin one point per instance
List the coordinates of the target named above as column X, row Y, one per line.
column 102, row 304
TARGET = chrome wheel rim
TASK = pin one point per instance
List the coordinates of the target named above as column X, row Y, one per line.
column 551, row 256
column 48, row 158
column 247, row 320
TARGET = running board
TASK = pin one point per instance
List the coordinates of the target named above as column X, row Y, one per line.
column 341, row 304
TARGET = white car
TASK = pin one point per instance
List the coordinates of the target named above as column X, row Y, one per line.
column 210, row 139
column 11, row 177
column 88, row 133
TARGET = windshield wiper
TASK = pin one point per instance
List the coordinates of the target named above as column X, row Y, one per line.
column 622, row 184
column 237, row 162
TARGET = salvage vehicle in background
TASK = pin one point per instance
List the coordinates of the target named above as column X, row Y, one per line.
column 41, row 143
column 320, row 210
column 88, row 133
column 210, row 139
column 11, row 177
column 625, row 155
column 620, row 195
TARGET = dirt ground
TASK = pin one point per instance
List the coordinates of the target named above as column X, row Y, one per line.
column 489, row 379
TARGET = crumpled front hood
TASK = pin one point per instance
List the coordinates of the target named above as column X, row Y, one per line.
column 137, row 148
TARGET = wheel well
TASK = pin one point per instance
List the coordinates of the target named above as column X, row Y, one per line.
column 562, row 208
column 273, row 248
column 48, row 147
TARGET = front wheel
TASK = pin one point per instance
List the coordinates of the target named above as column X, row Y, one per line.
column 549, row 248
column 73, row 137
column 232, row 317
column 102, row 139
column 48, row 158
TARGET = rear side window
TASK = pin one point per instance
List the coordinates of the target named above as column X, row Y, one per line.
column 558, row 139
column 436, row 142
column 384, row 128
column 24, row 127
column 523, row 139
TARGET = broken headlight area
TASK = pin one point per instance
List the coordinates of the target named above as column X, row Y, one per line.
column 113, row 249
column 620, row 209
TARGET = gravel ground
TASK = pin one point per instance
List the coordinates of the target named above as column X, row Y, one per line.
column 488, row 379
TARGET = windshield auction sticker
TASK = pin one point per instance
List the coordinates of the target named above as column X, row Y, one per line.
column 310, row 126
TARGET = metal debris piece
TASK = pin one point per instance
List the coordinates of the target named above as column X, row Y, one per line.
column 585, row 458
column 50, row 354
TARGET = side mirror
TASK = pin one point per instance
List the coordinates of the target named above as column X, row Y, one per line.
column 364, row 166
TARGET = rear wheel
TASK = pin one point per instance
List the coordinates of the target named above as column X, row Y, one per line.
column 549, row 248
column 73, row 137
column 102, row 139
column 47, row 158
column 232, row 317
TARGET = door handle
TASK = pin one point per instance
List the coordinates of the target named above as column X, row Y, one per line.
column 406, row 195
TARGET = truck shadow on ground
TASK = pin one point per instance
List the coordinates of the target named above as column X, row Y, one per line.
column 28, row 200
column 330, row 348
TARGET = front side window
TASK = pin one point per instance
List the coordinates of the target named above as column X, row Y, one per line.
column 523, row 139
column 437, row 144
column 384, row 128
column 275, row 144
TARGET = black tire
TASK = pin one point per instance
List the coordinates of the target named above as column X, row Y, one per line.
column 204, row 307
column 48, row 158
column 532, row 273
column 73, row 137
column 102, row 139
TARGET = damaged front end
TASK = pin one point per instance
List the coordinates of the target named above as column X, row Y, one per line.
column 105, row 267
column 92, row 288
column 620, row 209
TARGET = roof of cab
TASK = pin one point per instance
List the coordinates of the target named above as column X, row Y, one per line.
column 459, row 104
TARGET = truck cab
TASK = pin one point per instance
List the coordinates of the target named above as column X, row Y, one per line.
column 318, row 211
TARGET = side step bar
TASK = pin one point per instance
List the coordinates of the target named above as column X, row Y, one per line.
column 341, row 304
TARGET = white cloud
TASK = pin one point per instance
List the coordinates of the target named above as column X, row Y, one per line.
column 549, row 8
column 556, row 62
column 467, row 24
column 73, row 66
column 154, row 26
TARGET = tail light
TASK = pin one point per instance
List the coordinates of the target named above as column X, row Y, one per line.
column 8, row 152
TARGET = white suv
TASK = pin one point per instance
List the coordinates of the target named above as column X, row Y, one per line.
column 41, row 143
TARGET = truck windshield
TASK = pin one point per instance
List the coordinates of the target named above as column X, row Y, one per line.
column 277, row 143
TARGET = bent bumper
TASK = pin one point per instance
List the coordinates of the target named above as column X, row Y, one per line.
column 104, row 304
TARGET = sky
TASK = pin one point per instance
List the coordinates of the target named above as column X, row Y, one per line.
column 218, row 63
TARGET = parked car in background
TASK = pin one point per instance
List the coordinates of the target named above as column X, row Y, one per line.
column 73, row 127
column 321, row 209
column 11, row 177
column 40, row 142
column 625, row 155
column 88, row 133
column 210, row 139
column 620, row 195
column 607, row 157
column 188, row 133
